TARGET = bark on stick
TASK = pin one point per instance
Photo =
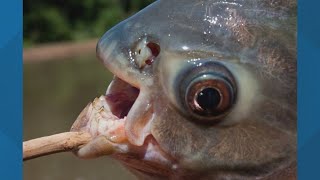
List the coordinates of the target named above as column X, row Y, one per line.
column 62, row 142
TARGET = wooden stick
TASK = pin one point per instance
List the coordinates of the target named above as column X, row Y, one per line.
column 62, row 142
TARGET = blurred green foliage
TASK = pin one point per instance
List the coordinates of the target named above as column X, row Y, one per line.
column 60, row 20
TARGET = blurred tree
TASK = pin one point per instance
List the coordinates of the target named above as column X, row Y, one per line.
column 60, row 20
column 126, row 4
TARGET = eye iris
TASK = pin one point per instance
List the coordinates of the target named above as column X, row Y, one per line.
column 206, row 91
column 208, row 99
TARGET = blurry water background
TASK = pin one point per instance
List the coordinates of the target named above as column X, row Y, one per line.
column 55, row 91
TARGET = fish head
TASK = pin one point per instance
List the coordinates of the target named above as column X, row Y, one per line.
column 201, row 89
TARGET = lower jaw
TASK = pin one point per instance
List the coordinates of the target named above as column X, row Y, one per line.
column 148, row 160
column 100, row 121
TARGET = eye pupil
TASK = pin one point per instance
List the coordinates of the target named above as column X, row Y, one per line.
column 208, row 99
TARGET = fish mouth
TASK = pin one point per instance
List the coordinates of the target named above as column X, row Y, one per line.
column 120, row 97
column 110, row 116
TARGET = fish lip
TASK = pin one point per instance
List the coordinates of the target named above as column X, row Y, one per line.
column 116, row 59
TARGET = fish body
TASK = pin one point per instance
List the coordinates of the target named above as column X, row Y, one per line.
column 202, row 89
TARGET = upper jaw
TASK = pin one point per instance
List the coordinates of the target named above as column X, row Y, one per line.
column 129, row 90
column 125, row 114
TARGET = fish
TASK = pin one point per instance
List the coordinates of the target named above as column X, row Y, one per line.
column 202, row 89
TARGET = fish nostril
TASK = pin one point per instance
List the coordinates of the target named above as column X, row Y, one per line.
column 155, row 49
column 146, row 52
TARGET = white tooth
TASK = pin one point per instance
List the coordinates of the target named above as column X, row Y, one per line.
column 104, row 104
column 96, row 104
column 138, row 121
column 103, row 126
column 96, row 121
column 105, row 115
column 93, row 126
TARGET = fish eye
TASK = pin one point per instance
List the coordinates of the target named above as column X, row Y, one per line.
column 210, row 96
column 207, row 91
